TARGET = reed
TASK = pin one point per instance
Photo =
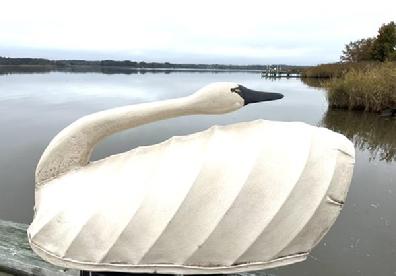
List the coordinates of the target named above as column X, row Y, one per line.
column 334, row 70
column 370, row 88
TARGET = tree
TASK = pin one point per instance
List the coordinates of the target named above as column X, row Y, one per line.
column 384, row 46
column 359, row 50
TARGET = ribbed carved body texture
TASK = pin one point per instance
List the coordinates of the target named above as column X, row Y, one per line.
column 240, row 197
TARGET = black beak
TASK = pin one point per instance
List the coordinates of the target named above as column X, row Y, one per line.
column 252, row 96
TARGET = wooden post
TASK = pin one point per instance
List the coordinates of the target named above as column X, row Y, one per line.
column 16, row 257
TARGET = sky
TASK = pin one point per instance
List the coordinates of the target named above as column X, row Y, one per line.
column 301, row 32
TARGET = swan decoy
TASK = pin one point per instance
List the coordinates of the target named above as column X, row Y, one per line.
column 246, row 196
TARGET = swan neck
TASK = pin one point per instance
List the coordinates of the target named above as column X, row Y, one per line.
column 72, row 147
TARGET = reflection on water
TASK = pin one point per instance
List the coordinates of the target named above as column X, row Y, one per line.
column 31, row 69
column 7, row 70
column 368, row 132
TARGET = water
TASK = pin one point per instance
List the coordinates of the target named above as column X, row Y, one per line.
column 34, row 107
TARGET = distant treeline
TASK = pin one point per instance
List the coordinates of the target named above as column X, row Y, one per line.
column 6, row 61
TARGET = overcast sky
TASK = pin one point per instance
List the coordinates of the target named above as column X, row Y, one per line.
column 240, row 32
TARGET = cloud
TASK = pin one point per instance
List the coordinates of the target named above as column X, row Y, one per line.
column 183, row 31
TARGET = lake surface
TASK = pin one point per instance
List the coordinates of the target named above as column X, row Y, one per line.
column 35, row 107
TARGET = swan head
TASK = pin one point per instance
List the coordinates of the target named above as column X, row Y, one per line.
column 223, row 97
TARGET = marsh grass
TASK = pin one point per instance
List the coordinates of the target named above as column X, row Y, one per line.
column 334, row 70
column 371, row 88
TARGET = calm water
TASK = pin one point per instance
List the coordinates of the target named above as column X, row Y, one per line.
column 34, row 107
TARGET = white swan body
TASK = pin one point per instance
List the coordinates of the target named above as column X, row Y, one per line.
column 234, row 198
